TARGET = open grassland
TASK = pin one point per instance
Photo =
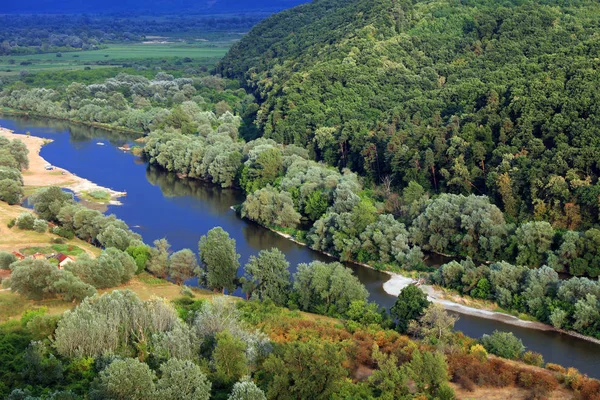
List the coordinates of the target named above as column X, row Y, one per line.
column 116, row 54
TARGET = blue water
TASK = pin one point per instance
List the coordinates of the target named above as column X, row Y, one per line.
column 160, row 205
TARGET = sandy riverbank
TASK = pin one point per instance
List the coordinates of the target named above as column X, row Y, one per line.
column 37, row 175
column 398, row 282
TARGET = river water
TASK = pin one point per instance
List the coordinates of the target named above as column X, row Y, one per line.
column 159, row 204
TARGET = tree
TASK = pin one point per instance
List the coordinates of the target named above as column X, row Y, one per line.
column 124, row 379
column 158, row 263
column 327, row 288
column 47, row 202
column 6, row 259
column 70, row 288
column 316, row 205
column 269, row 207
column 465, row 225
column 506, row 280
column 364, row 313
column 389, row 380
column 182, row 380
column 113, row 236
column 182, row 265
column 246, row 390
column 19, row 151
column 113, row 267
column 435, row 324
column 11, row 191
column 42, row 367
column 40, row 226
column 229, row 358
column 267, row 276
column 180, row 343
column 429, row 371
column 219, row 259
column 533, row 241
column 104, row 323
column 503, row 344
column 26, row 221
column 288, row 368
column 409, row 306
column 33, row 279
column 141, row 254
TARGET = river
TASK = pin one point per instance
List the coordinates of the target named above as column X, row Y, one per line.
column 159, row 204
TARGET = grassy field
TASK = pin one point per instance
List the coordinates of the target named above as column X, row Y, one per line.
column 115, row 55
column 15, row 239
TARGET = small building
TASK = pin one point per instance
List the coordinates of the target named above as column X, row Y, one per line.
column 63, row 260
column 19, row 256
column 38, row 256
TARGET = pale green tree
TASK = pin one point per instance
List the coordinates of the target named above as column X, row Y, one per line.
column 124, row 379
column 182, row 265
column 245, row 389
column 182, row 380
column 219, row 259
column 267, row 276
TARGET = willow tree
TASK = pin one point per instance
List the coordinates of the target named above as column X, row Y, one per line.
column 219, row 259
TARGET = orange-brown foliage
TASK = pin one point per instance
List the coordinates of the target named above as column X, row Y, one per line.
column 590, row 389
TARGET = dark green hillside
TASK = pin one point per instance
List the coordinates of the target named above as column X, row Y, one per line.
column 473, row 96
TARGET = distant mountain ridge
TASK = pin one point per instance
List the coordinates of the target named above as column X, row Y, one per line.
column 144, row 7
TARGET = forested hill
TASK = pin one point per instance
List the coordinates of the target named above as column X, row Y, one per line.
column 474, row 96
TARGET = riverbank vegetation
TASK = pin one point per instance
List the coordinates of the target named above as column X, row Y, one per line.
column 215, row 349
column 13, row 159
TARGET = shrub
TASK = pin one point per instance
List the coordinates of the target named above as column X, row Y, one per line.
column 573, row 379
column 503, row 344
column 479, row 352
column 6, row 259
column 63, row 232
column 525, row 379
column 532, row 358
column 445, row 392
column 11, row 223
column 466, row 383
column 25, row 221
column 187, row 292
column 590, row 390
column 556, row 368
column 40, row 226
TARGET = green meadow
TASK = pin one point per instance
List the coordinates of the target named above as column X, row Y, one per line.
column 114, row 54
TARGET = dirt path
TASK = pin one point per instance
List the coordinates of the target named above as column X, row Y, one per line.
column 37, row 175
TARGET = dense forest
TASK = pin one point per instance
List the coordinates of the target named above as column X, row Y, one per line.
column 494, row 98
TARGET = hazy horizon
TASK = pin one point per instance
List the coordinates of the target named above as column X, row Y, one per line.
column 145, row 7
